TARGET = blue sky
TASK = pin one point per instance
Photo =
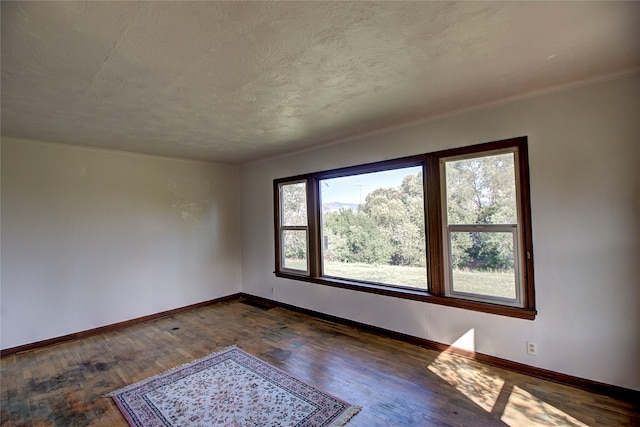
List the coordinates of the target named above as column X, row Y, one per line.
column 354, row 189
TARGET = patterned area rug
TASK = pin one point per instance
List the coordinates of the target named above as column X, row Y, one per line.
column 229, row 388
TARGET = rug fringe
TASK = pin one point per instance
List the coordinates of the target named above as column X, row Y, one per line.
column 343, row 419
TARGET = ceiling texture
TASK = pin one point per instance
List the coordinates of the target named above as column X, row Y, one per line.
column 234, row 82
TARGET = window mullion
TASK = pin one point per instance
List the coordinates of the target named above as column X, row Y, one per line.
column 434, row 226
column 313, row 214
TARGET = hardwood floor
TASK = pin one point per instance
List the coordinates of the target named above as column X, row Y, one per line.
column 396, row 383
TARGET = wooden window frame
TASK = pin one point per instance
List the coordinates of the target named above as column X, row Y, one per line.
column 436, row 292
column 514, row 229
column 282, row 228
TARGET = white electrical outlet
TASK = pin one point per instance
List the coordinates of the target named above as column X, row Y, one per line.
column 532, row 348
column 273, row 290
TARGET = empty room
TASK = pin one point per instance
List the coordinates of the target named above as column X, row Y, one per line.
column 320, row 213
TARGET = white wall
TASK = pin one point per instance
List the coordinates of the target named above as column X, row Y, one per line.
column 584, row 147
column 91, row 237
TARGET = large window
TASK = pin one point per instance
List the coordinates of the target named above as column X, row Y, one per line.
column 372, row 227
column 451, row 227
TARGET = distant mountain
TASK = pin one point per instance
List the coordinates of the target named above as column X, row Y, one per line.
column 336, row 206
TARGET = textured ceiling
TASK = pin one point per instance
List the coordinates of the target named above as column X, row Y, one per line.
column 238, row 81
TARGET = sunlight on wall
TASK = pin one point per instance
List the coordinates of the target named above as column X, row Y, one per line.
column 466, row 341
column 525, row 409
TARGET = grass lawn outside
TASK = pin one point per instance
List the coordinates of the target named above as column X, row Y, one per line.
column 493, row 283
column 415, row 277
column 496, row 284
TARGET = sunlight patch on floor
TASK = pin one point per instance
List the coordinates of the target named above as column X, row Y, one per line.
column 477, row 384
column 483, row 387
column 525, row 409
column 473, row 380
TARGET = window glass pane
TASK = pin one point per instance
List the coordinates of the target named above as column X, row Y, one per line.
column 293, row 198
column 481, row 190
column 373, row 227
column 482, row 263
column 294, row 249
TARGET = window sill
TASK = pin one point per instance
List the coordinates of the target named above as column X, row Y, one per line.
column 416, row 295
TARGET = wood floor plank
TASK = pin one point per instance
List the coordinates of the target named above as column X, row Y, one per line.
column 396, row 383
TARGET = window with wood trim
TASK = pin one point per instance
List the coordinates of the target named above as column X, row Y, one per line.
column 451, row 227
column 293, row 227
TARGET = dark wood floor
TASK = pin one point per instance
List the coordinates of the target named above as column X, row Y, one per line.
column 397, row 384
